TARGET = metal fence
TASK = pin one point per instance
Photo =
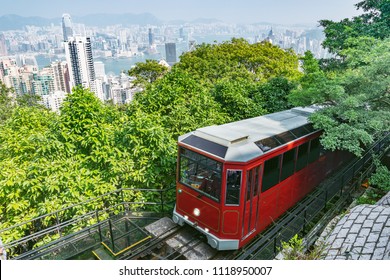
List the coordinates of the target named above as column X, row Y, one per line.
column 91, row 216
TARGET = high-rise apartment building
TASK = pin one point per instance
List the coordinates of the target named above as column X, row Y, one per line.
column 60, row 74
column 170, row 52
column 80, row 62
column 67, row 27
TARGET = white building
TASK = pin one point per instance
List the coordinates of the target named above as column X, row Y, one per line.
column 78, row 53
column 53, row 101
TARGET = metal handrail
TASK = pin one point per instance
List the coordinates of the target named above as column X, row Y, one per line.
column 56, row 226
column 87, row 201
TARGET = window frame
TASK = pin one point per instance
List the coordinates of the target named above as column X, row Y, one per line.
column 200, row 162
column 239, row 187
column 302, row 162
column 277, row 173
column 283, row 175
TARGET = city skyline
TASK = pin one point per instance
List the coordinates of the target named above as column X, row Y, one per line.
column 230, row 11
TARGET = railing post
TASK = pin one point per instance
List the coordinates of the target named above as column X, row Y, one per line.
column 304, row 220
column 275, row 246
column 326, row 197
column 123, row 201
column 58, row 225
column 99, row 229
column 111, row 234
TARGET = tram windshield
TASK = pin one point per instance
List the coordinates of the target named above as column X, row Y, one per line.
column 200, row 173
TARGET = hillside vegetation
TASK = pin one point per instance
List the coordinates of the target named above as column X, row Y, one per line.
column 50, row 161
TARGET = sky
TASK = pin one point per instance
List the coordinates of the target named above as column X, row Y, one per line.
column 230, row 11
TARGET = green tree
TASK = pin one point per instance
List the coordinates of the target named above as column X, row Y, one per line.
column 152, row 151
column 273, row 95
column 147, row 72
column 181, row 102
column 316, row 86
column 29, row 100
column 236, row 100
column 356, row 102
column 374, row 22
column 237, row 59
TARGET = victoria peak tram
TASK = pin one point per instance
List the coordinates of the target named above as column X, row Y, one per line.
column 235, row 179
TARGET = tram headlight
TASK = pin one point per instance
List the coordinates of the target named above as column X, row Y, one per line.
column 186, row 217
column 196, row 212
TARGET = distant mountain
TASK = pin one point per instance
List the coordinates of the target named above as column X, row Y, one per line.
column 14, row 22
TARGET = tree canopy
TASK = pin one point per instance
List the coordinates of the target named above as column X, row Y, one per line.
column 356, row 100
column 374, row 22
column 147, row 72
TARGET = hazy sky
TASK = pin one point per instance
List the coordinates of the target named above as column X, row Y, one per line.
column 233, row 11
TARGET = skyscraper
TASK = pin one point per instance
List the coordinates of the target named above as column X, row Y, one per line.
column 151, row 37
column 67, row 27
column 170, row 52
column 78, row 53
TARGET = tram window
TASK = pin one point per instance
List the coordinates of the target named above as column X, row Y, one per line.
column 309, row 127
column 201, row 173
column 299, row 131
column 233, row 187
column 249, row 183
column 314, row 153
column 302, row 156
column 285, row 137
column 288, row 164
column 271, row 173
column 267, row 144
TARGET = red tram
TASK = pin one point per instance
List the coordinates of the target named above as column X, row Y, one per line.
column 234, row 179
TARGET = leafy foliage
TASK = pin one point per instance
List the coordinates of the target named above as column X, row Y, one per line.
column 237, row 100
column 147, row 72
column 237, row 59
column 356, row 100
column 374, row 22
column 50, row 161
column 180, row 102
column 352, row 88
column 294, row 249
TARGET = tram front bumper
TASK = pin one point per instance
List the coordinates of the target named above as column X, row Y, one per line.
column 212, row 240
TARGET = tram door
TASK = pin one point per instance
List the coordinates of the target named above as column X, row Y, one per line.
column 251, row 205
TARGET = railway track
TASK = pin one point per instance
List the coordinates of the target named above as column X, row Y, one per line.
column 172, row 242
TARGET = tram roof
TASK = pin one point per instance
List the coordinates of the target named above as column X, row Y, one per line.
column 244, row 140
